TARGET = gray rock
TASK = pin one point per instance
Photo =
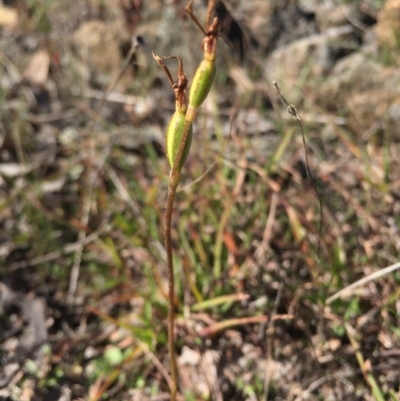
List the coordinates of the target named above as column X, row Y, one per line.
column 308, row 6
column 330, row 15
column 364, row 89
column 310, row 57
column 91, row 42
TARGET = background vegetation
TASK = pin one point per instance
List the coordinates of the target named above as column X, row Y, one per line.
column 83, row 300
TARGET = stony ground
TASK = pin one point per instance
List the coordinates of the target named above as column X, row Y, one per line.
column 260, row 245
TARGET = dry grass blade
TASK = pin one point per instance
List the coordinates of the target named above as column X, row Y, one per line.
column 365, row 366
column 373, row 276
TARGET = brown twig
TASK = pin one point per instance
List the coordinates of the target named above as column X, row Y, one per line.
column 293, row 112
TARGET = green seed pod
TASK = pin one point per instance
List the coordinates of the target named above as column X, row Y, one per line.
column 202, row 82
column 174, row 135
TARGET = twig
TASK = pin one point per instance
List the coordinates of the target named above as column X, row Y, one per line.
column 293, row 111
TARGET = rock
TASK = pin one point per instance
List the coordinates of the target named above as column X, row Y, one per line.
column 370, row 8
column 366, row 90
column 328, row 16
column 313, row 57
column 394, row 114
column 98, row 52
column 263, row 26
column 252, row 123
column 308, row 6
column 270, row 24
column 355, row 73
column 24, row 321
column 370, row 43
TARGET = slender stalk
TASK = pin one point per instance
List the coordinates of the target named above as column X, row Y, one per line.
column 293, row 111
column 179, row 133
column 171, row 288
column 178, row 143
column 172, row 186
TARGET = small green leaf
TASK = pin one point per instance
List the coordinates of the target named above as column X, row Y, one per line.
column 113, row 355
